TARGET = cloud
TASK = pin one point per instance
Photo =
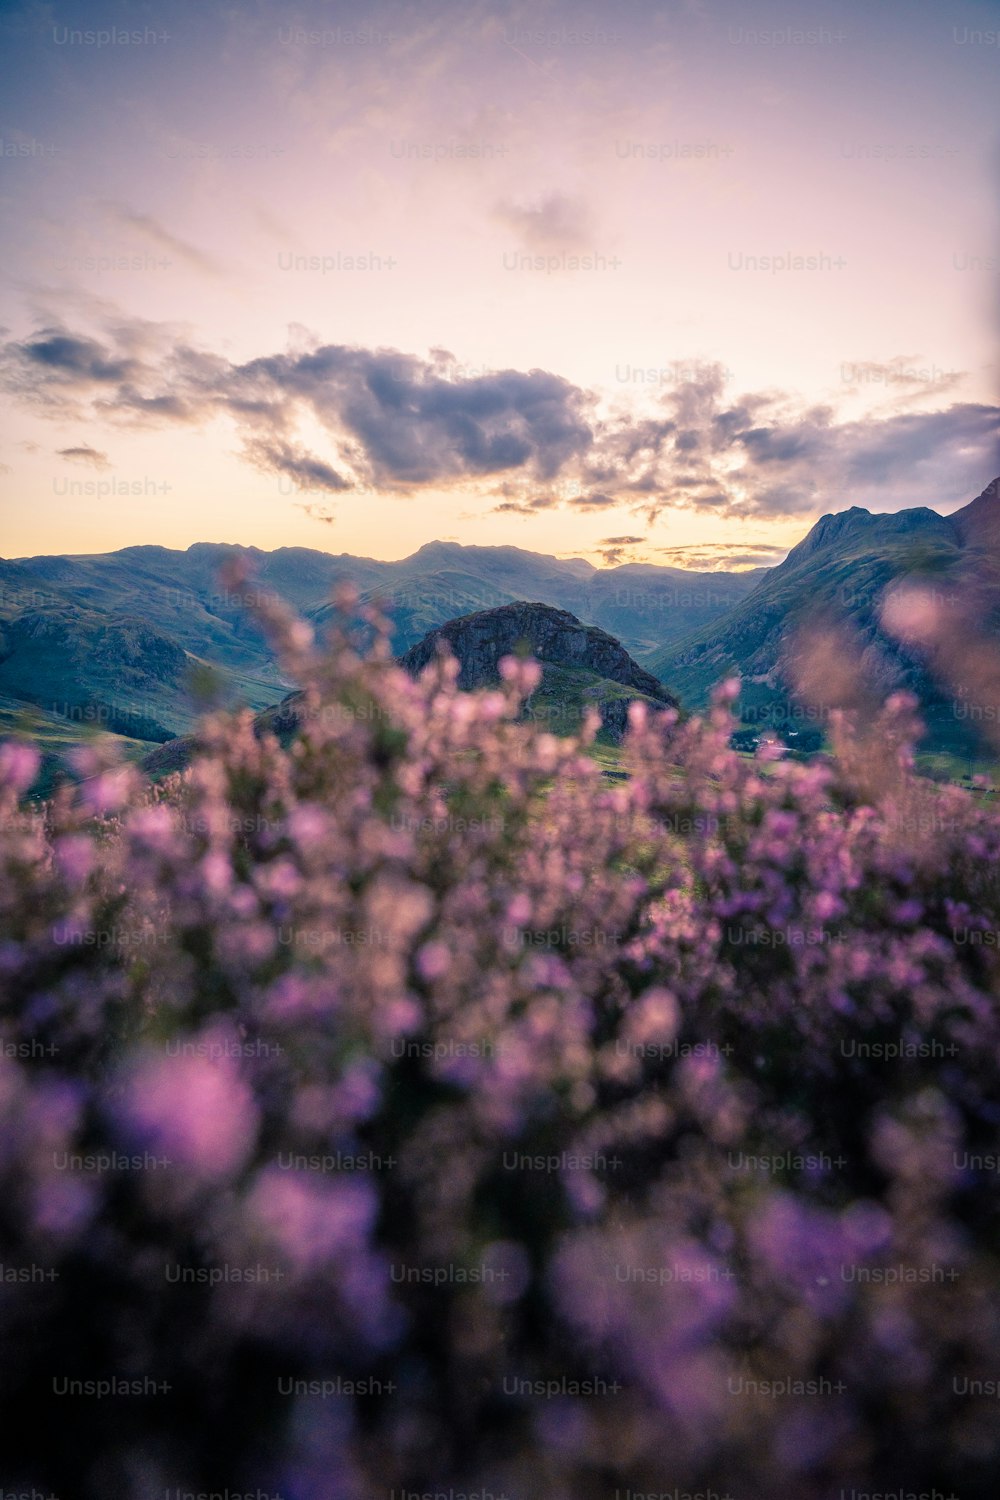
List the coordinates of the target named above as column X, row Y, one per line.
column 406, row 426
column 556, row 224
column 152, row 230
column 85, row 455
column 316, row 512
column 763, row 455
column 904, row 379
column 614, row 548
column 401, row 424
column 273, row 227
column 396, row 421
column 305, row 471
column 75, row 359
column 527, row 507
column 594, row 501
column 714, row 557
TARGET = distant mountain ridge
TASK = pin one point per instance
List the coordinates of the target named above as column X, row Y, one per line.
column 115, row 640
column 58, row 614
column 838, row 579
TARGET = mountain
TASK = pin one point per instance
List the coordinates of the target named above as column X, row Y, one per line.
column 978, row 523
column 136, row 640
column 122, row 660
column 642, row 604
column 836, row 583
column 132, row 640
column 581, row 664
column 68, row 623
column 582, row 667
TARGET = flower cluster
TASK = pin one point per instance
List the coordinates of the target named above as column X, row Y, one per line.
column 593, row 1135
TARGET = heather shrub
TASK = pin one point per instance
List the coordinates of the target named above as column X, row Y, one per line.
column 407, row 1107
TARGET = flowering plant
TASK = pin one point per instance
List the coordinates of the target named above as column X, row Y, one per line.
column 408, row 1107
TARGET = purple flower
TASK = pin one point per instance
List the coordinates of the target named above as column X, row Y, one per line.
column 19, row 765
column 194, row 1110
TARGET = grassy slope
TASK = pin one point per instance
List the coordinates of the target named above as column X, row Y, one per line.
column 55, row 737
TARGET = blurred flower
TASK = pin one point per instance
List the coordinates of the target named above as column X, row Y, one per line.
column 194, row 1110
column 19, row 765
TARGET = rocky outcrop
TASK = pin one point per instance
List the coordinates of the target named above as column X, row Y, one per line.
column 582, row 667
column 614, row 716
column 480, row 640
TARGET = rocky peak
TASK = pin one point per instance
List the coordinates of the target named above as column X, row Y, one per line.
column 846, row 528
column 978, row 522
column 553, row 636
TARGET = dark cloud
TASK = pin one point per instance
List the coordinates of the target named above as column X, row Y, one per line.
column 62, row 357
column 516, row 499
column 410, row 426
column 85, row 455
column 768, row 446
column 631, row 441
column 764, row 455
column 305, row 471
column 614, row 548
column 873, row 448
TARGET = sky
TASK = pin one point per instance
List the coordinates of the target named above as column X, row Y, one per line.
column 631, row 282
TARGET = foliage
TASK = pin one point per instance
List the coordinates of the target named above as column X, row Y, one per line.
column 542, row 1121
